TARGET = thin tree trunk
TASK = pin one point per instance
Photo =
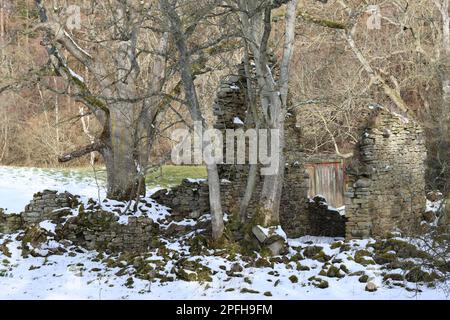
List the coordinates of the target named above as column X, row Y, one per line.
column 273, row 186
column 196, row 115
column 5, row 131
column 85, row 123
column 275, row 109
column 249, row 190
column 2, row 22
column 253, row 168
column 215, row 202
column 58, row 150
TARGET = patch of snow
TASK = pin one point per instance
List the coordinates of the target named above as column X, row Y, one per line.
column 75, row 75
column 61, row 209
column 185, row 222
column 434, row 206
column 82, row 276
column 273, row 231
column 237, row 120
column 78, row 274
column 402, row 118
column 195, row 180
column 374, row 106
column 340, row 210
column 76, row 45
column 48, row 225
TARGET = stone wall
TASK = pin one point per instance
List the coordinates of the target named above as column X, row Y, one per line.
column 385, row 187
column 386, row 180
column 91, row 228
column 324, row 221
column 190, row 199
column 10, row 223
column 100, row 230
column 49, row 205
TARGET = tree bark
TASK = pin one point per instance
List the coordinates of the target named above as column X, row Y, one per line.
column 253, row 168
column 187, row 77
column 273, row 94
column 2, row 21
column 96, row 146
column 124, row 147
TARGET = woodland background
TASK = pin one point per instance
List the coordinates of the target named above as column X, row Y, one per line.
column 328, row 83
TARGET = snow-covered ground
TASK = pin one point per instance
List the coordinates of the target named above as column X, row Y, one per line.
column 82, row 274
column 17, row 185
column 79, row 277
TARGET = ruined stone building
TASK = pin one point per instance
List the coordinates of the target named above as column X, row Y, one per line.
column 386, row 184
column 382, row 186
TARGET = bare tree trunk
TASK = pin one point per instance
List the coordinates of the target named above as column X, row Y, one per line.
column 215, row 202
column 273, row 186
column 196, row 114
column 443, row 7
column 253, row 168
column 122, row 156
column 4, row 131
column 249, row 189
column 85, row 123
column 57, row 120
column 256, row 25
column 2, row 22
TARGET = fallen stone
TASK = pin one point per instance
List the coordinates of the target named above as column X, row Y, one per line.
column 371, row 287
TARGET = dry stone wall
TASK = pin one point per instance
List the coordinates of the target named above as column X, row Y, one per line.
column 10, row 223
column 92, row 228
column 324, row 221
column 386, row 187
column 387, row 182
column 49, row 205
column 100, row 230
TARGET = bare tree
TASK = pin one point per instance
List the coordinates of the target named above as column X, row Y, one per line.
column 256, row 25
column 123, row 104
column 375, row 77
column 444, row 68
column 186, row 67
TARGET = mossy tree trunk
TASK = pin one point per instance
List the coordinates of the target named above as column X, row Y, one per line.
column 124, row 152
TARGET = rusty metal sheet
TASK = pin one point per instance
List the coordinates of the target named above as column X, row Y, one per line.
column 327, row 179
